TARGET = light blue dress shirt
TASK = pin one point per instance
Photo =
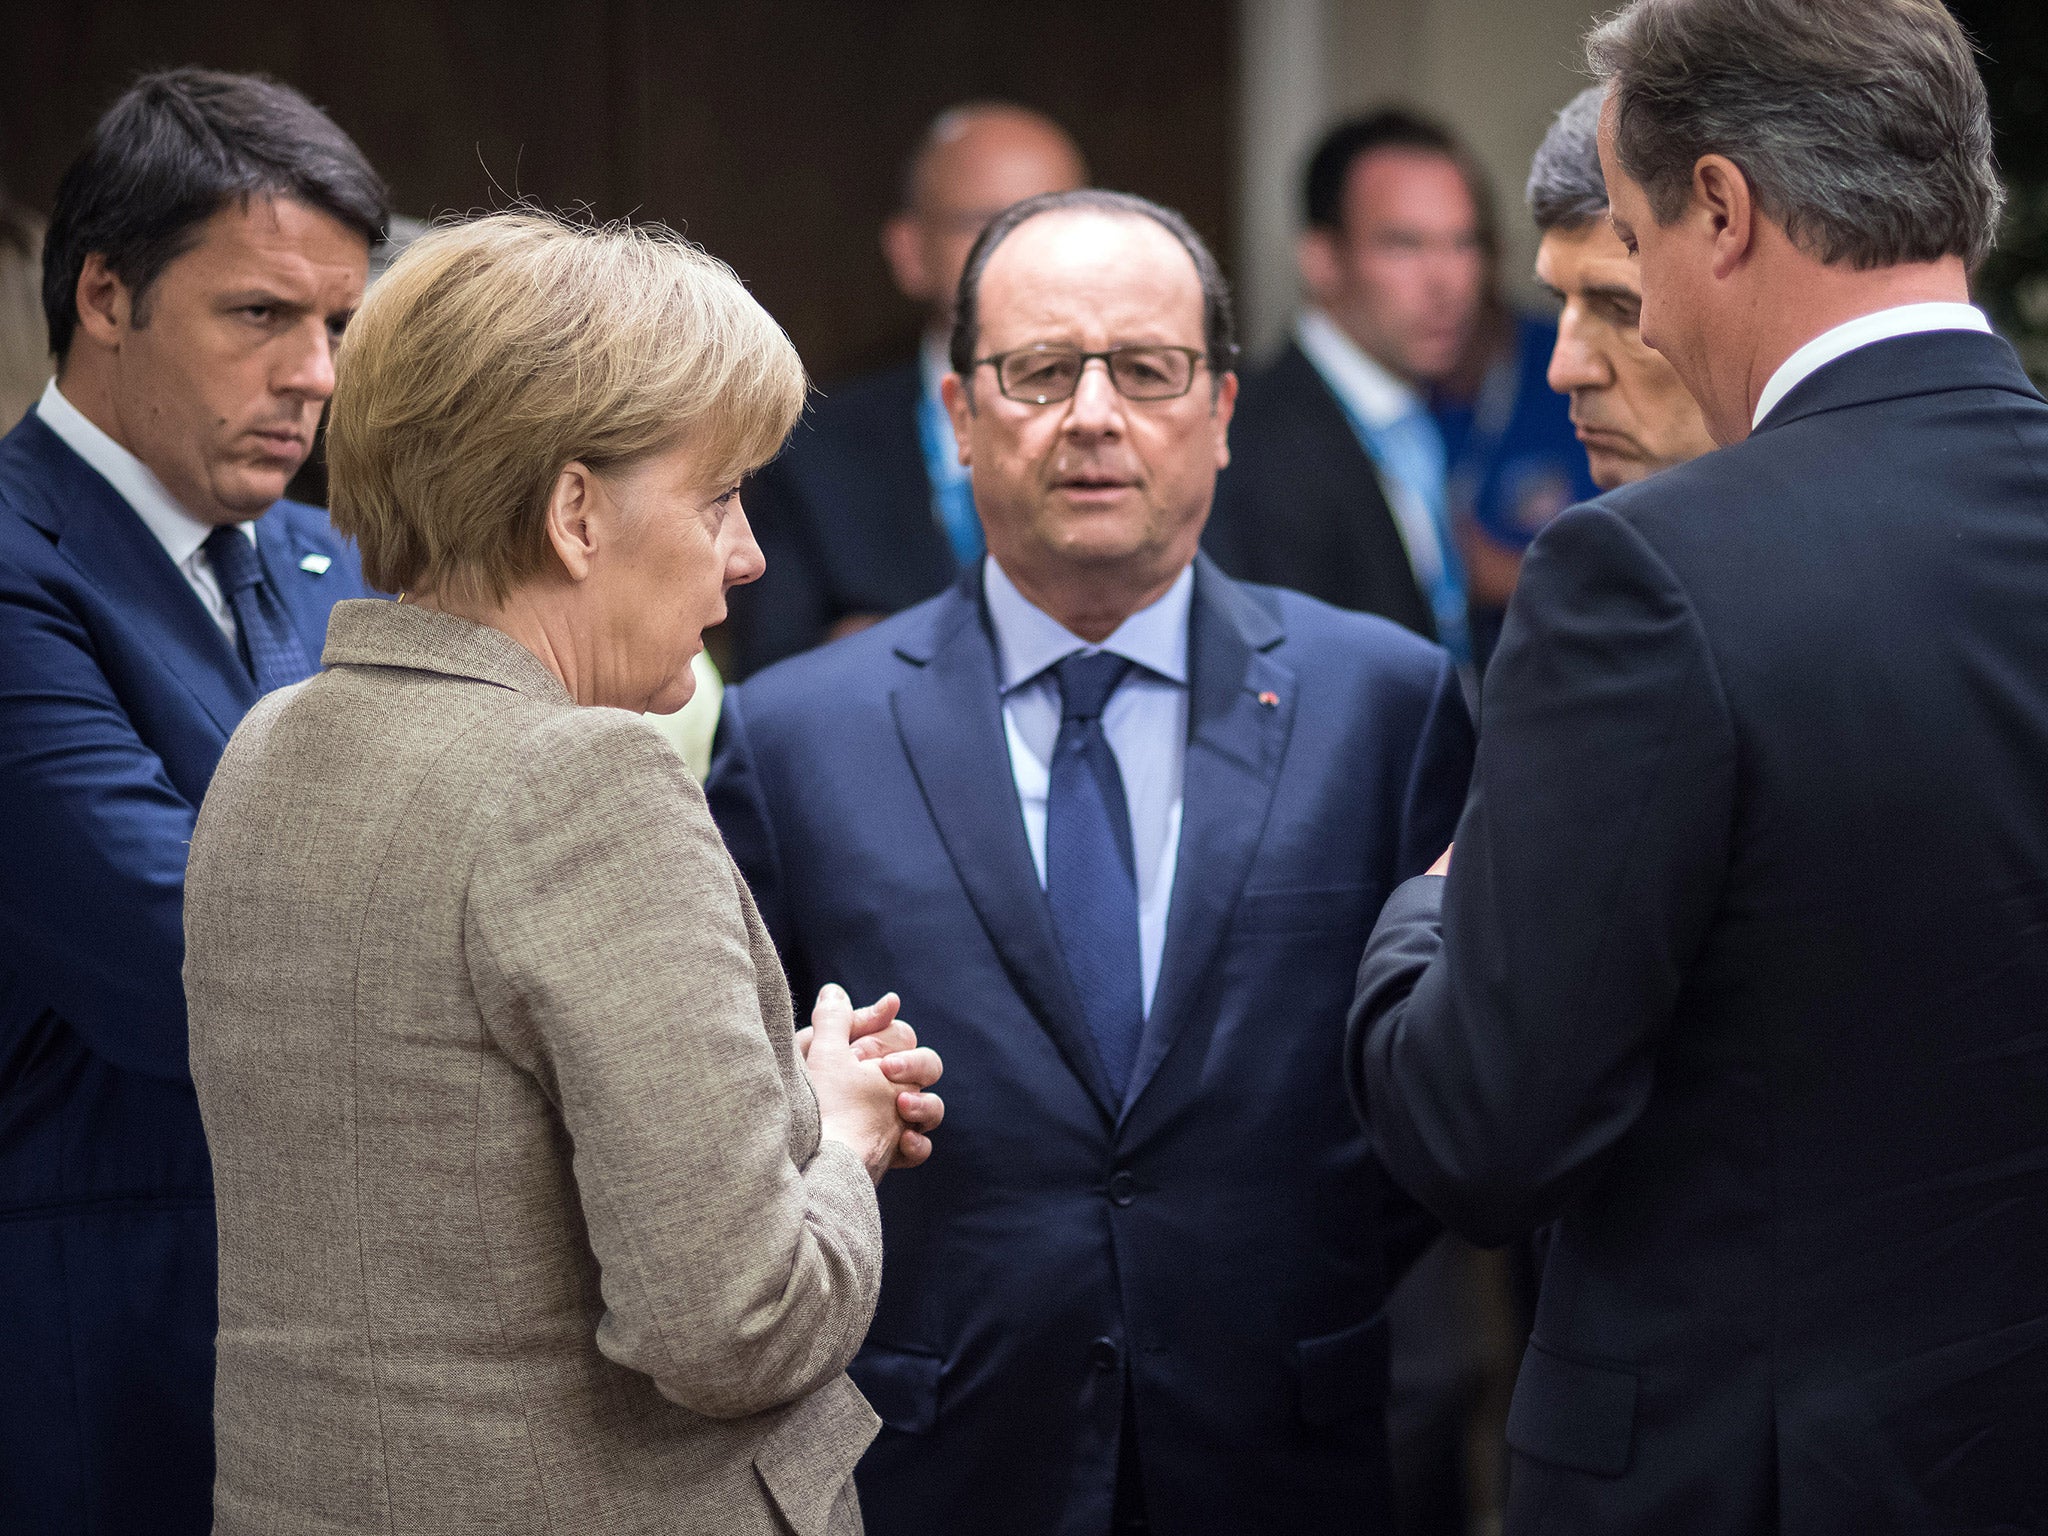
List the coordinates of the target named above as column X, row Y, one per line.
column 1146, row 723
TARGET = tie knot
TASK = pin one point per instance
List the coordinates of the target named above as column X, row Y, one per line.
column 1086, row 682
column 233, row 558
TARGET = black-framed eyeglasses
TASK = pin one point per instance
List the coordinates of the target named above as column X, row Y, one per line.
column 1048, row 375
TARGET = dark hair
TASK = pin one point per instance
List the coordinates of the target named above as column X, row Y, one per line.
column 1219, row 324
column 176, row 148
column 1567, row 189
column 1861, row 125
column 1322, row 186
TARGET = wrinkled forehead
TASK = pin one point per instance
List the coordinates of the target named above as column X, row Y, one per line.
column 1588, row 255
column 1090, row 276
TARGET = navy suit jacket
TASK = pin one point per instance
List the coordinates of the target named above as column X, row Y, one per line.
column 117, row 694
column 844, row 516
column 1300, row 504
column 1741, row 974
column 1218, row 1238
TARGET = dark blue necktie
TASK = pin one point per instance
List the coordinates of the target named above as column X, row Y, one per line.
column 269, row 645
column 1089, row 870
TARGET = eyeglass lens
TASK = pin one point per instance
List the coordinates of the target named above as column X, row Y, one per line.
column 1045, row 375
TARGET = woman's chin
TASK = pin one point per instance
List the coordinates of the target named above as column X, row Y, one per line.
column 675, row 695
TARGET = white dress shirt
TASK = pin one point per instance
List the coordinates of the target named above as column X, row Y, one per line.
column 1379, row 399
column 182, row 535
column 1145, row 722
column 1903, row 320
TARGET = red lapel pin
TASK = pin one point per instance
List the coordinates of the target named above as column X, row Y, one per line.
column 1270, row 699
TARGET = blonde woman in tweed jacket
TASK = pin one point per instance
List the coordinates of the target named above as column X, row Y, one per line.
column 535, row 1212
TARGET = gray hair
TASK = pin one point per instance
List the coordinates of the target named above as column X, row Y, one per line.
column 1566, row 187
column 1219, row 323
column 1861, row 124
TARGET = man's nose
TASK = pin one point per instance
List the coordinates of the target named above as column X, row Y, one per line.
column 1096, row 407
column 1576, row 362
column 308, row 369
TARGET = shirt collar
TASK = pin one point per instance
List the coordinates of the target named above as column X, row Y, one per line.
column 180, row 533
column 1369, row 391
column 1883, row 325
column 1029, row 640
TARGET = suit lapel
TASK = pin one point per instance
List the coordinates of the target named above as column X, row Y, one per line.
column 111, row 547
column 950, row 717
column 303, row 593
column 1240, row 710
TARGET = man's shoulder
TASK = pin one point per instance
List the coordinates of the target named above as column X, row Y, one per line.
column 847, row 412
column 1286, row 380
column 309, row 532
column 34, row 465
column 307, row 523
column 859, row 671
column 1321, row 635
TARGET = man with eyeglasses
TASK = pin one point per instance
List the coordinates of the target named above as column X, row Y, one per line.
column 1115, row 826
column 869, row 510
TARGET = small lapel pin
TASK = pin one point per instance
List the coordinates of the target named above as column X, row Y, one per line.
column 315, row 565
column 1270, row 699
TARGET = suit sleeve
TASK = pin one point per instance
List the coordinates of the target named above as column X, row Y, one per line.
column 92, row 883
column 739, row 805
column 612, row 959
column 1440, row 777
column 1437, row 782
column 1507, row 1022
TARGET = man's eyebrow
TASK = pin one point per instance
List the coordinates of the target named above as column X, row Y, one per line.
column 1613, row 291
column 268, row 297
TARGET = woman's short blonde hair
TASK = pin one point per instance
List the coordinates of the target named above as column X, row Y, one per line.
column 497, row 351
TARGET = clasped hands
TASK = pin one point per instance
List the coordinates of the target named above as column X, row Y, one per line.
column 870, row 1076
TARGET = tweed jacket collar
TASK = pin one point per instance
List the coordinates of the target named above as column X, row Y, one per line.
column 368, row 632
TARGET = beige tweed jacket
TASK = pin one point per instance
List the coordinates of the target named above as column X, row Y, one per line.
column 525, row 1224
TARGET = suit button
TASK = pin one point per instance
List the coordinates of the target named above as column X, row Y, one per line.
column 1103, row 1354
column 1123, row 1188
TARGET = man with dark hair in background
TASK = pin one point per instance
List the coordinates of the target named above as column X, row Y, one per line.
column 1405, row 422
column 206, row 249
column 1099, row 821
column 1736, row 978
column 1629, row 406
column 869, row 509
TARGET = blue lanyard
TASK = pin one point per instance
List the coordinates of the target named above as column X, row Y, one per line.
column 952, row 486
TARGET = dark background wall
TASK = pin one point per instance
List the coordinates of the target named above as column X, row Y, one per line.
column 2013, row 35
column 772, row 130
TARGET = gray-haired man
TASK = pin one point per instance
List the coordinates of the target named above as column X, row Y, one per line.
column 1737, row 974
column 1629, row 406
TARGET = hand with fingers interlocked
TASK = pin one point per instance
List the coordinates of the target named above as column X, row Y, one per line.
column 871, row 1077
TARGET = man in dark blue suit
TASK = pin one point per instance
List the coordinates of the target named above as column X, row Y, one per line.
column 868, row 510
column 1738, row 972
column 1115, row 826
column 205, row 251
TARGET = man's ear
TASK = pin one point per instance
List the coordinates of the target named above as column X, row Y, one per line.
column 1721, row 196
column 106, row 308
column 1221, row 410
column 573, row 519
column 959, row 402
column 1320, row 262
column 903, row 249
